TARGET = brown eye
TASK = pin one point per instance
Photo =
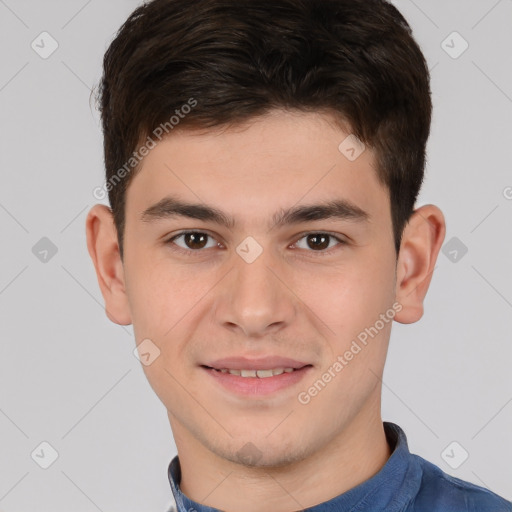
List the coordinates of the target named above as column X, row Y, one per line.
column 193, row 241
column 318, row 242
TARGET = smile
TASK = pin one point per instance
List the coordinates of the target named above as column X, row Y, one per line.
column 260, row 382
column 261, row 374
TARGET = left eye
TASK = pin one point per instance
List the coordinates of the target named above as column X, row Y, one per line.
column 318, row 241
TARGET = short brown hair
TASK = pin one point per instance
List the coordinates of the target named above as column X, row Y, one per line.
column 238, row 59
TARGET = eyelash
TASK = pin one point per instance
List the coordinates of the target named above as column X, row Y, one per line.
column 189, row 252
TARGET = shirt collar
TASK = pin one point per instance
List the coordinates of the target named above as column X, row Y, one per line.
column 389, row 490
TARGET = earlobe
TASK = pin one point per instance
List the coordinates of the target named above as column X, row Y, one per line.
column 103, row 248
column 421, row 242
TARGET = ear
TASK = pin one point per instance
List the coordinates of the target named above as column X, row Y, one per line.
column 421, row 241
column 104, row 251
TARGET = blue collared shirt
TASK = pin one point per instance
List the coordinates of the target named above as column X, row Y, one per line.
column 406, row 483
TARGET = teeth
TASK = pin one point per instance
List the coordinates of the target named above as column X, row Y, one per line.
column 262, row 374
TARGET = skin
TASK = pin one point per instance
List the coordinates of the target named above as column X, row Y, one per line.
column 291, row 301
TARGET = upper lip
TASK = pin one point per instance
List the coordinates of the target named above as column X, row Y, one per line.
column 263, row 363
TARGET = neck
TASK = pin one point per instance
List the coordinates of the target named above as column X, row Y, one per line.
column 356, row 454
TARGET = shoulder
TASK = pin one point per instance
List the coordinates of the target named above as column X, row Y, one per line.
column 442, row 492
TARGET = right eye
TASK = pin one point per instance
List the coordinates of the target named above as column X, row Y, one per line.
column 193, row 241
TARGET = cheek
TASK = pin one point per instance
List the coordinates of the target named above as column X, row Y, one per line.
column 155, row 289
column 350, row 298
column 351, row 304
column 166, row 299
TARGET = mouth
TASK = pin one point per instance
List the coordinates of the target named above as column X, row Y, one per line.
column 256, row 378
column 260, row 374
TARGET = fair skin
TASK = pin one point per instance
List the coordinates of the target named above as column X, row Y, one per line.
column 296, row 300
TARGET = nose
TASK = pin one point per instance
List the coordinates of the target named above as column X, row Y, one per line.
column 255, row 299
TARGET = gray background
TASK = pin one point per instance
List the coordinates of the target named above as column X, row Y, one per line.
column 68, row 376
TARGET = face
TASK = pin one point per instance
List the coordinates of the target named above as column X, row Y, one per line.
column 300, row 298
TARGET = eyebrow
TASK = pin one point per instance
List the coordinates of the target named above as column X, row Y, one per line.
column 170, row 207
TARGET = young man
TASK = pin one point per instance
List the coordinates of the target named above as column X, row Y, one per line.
column 263, row 160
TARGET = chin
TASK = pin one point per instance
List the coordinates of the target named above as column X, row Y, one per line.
column 254, row 458
column 260, row 452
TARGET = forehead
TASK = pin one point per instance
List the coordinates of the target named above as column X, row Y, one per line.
column 251, row 170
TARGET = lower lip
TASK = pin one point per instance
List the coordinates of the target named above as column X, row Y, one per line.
column 254, row 386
